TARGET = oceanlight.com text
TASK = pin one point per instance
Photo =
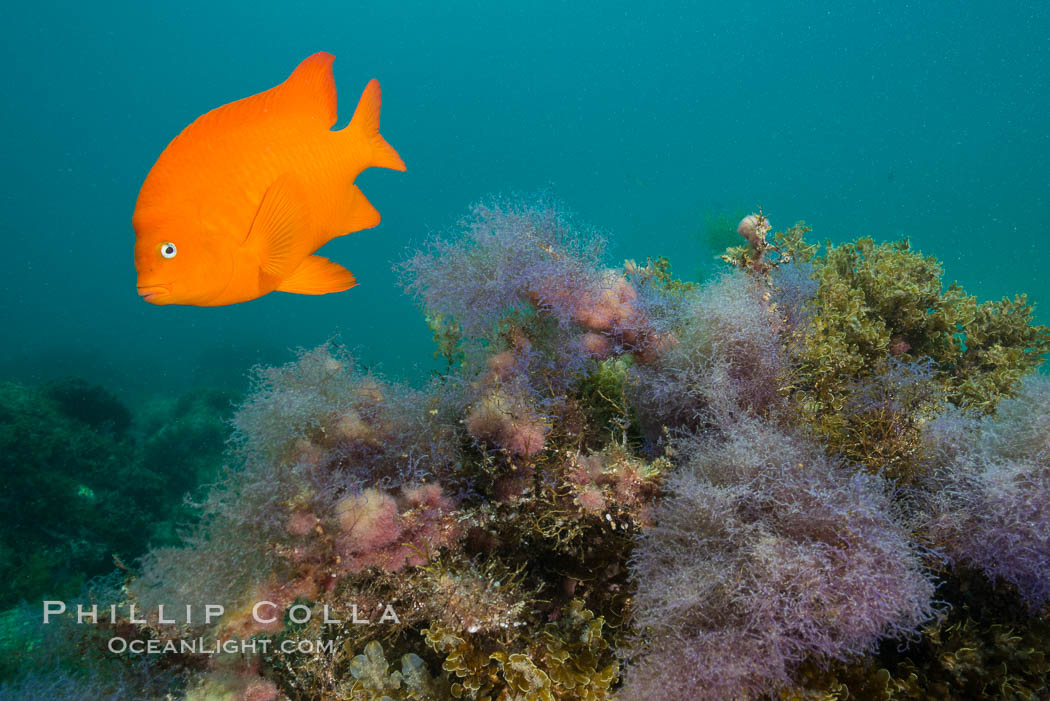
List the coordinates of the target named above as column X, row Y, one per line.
column 199, row 646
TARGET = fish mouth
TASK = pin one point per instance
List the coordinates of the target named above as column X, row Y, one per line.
column 149, row 292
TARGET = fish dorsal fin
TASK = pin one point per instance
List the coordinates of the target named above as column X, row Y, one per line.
column 280, row 234
column 317, row 275
column 307, row 97
column 309, row 90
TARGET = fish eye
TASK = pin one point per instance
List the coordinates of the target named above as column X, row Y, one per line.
column 168, row 249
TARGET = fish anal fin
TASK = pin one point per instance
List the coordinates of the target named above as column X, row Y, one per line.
column 281, row 233
column 354, row 213
column 309, row 90
column 317, row 275
column 364, row 129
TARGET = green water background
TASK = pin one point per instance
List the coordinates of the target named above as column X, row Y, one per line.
column 650, row 120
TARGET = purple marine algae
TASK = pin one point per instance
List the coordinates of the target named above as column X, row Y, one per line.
column 767, row 547
column 992, row 503
column 798, row 477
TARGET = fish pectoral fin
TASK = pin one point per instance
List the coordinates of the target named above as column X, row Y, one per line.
column 280, row 234
column 317, row 276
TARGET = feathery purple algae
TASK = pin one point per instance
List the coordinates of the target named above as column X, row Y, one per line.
column 629, row 486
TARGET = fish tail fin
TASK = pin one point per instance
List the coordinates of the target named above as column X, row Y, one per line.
column 365, row 127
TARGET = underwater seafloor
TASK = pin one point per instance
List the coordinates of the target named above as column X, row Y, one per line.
column 821, row 474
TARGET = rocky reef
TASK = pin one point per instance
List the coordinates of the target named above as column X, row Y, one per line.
column 821, row 473
column 86, row 480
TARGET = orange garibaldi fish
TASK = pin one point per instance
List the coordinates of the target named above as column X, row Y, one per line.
column 237, row 204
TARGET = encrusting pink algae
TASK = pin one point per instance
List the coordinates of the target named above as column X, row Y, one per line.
column 780, row 483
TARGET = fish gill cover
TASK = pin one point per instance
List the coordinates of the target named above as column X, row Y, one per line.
column 822, row 473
